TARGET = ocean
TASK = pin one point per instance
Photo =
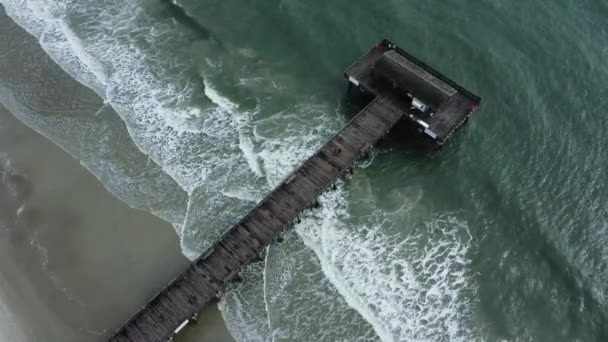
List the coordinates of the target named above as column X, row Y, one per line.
column 192, row 111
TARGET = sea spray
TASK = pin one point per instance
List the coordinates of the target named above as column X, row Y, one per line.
column 240, row 120
column 201, row 148
column 408, row 287
column 302, row 304
column 243, row 307
column 544, row 191
column 10, row 327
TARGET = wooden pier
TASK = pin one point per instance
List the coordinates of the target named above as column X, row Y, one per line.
column 167, row 313
column 386, row 68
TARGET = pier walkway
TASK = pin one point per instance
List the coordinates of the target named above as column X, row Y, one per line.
column 402, row 87
column 199, row 284
column 387, row 68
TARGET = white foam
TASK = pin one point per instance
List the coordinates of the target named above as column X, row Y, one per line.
column 247, row 195
column 153, row 102
column 240, row 121
column 119, row 51
column 301, row 304
column 265, row 293
column 47, row 21
column 183, row 226
column 243, row 307
column 296, row 141
column 247, row 147
column 406, row 292
column 138, row 187
column 10, row 329
column 218, row 99
column 44, row 20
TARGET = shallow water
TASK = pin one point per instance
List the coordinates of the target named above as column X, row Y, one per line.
column 501, row 235
column 74, row 260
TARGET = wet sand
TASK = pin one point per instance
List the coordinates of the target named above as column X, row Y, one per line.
column 74, row 260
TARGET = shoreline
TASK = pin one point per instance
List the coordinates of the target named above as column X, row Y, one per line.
column 57, row 278
column 76, row 260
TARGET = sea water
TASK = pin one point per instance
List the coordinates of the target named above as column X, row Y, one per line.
column 206, row 105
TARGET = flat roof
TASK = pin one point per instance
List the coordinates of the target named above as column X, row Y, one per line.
column 386, row 65
column 408, row 71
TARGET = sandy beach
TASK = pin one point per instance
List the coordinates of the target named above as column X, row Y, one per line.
column 75, row 261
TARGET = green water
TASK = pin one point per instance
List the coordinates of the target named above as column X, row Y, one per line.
column 500, row 235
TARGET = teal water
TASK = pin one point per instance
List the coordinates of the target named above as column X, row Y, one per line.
column 501, row 235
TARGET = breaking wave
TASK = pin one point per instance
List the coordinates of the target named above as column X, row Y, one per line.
column 117, row 54
column 243, row 307
column 400, row 286
column 298, row 297
column 414, row 287
column 10, row 329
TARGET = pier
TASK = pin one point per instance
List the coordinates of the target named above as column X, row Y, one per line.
column 437, row 106
column 404, row 89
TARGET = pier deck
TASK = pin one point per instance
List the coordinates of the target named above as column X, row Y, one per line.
column 388, row 73
column 183, row 298
column 417, row 79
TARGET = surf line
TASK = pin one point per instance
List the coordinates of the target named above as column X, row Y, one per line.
column 179, row 13
column 402, row 90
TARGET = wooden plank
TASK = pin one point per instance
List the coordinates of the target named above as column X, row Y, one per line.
column 208, row 274
column 246, row 239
